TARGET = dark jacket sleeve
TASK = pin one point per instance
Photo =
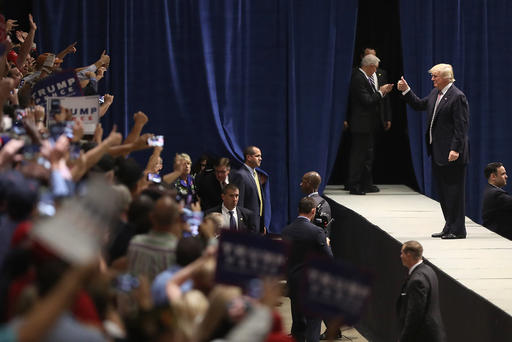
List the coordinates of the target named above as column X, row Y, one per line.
column 359, row 89
column 417, row 292
column 322, row 242
column 415, row 102
column 460, row 122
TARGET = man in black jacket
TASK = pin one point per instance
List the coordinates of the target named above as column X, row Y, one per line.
column 447, row 141
column 235, row 217
column 305, row 239
column 365, row 102
column 497, row 203
column 419, row 316
column 209, row 186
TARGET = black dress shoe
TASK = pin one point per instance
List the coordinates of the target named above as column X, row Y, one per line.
column 372, row 188
column 355, row 191
column 323, row 336
column 451, row 236
column 438, row 235
column 346, row 188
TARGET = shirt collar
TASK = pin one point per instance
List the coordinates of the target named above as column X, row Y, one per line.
column 414, row 266
column 445, row 89
column 313, row 194
column 226, row 210
column 250, row 169
column 364, row 73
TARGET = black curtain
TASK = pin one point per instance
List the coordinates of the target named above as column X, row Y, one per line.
column 215, row 76
column 378, row 27
column 473, row 36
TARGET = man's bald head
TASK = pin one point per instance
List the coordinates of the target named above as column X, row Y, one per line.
column 165, row 213
column 310, row 182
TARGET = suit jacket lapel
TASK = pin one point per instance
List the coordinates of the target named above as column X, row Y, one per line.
column 444, row 100
column 241, row 220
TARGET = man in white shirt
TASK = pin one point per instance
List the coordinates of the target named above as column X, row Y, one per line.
column 235, row 217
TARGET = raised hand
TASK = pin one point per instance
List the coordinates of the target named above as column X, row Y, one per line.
column 108, row 98
column 104, row 58
column 78, row 130
column 10, row 24
column 21, row 35
column 140, row 118
column 402, row 84
column 33, row 25
column 70, row 48
column 386, row 88
column 98, row 133
column 114, row 138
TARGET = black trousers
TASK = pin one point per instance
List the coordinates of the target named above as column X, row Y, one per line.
column 361, row 160
column 450, row 183
column 305, row 328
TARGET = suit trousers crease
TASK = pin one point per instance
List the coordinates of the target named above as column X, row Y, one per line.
column 361, row 160
column 450, row 184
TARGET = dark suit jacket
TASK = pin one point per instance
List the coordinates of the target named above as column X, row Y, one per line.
column 305, row 239
column 365, row 102
column 209, row 191
column 246, row 218
column 419, row 316
column 248, row 192
column 451, row 123
column 497, row 211
column 385, row 104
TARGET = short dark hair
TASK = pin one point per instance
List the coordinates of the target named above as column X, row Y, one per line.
column 188, row 249
column 414, row 248
column 229, row 187
column 222, row 162
column 306, row 204
column 363, row 50
column 249, row 151
column 492, row 168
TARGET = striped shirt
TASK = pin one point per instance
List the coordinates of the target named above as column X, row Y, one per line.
column 151, row 253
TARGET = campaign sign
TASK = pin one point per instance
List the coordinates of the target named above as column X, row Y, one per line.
column 244, row 256
column 334, row 289
column 83, row 108
column 64, row 83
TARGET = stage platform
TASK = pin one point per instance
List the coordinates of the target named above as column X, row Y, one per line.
column 475, row 273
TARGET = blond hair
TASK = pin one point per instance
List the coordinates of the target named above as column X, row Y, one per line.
column 444, row 70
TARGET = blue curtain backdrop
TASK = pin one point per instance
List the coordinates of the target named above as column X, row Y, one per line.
column 215, row 76
column 473, row 36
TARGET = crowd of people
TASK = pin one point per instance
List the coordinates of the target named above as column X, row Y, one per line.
column 95, row 246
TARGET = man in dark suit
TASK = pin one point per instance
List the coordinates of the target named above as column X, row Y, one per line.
column 447, row 142
column 209, row 186
column 419, row 316
column 309, row 185
column 251, row 189
column 364, row 118
column 305, row 239
column 235, row 217
column 497, row 203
